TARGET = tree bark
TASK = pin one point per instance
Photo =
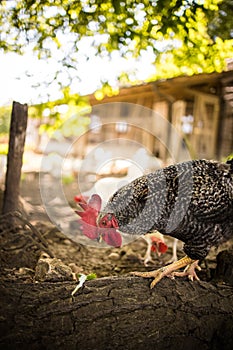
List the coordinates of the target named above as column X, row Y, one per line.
column 15, row 156
column 116, row 313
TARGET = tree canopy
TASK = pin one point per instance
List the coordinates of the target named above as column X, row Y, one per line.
column 185, row 36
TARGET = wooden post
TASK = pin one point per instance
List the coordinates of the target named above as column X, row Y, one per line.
column 18, row 127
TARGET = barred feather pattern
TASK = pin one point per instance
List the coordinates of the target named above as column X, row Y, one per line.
column 191, row 201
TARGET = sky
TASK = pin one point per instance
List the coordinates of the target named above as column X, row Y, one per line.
column 17, row 85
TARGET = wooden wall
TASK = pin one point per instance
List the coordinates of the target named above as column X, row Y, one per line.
column 201, row 97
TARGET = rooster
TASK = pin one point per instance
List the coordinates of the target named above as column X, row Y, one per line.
column 191, row 201
column 155, row 243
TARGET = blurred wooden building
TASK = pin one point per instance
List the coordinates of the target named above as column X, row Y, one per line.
column 199, row 107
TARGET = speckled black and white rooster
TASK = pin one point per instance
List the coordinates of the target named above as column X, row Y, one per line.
column 191, row 201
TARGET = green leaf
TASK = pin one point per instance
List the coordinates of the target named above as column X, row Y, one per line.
column 91, row 276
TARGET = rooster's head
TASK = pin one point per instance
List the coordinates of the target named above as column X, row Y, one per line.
column 97, row 226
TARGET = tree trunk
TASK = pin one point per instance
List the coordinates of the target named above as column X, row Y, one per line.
column 14, row 158
column 116, row 313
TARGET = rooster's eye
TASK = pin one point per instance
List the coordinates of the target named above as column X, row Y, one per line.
column 104, row 223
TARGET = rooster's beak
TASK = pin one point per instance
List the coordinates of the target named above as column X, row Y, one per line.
column 100, row 239
column 99, row 217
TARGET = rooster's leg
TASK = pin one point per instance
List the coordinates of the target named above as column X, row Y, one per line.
column 169, row 270
column 174, row 252
column 147, row 258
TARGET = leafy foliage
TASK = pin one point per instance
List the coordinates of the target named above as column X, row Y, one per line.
column 192, row 36
column 65, row 117
column 5, row 114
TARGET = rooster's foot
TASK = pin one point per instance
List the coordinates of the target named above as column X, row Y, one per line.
column 169, row 271
column 156, row 274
